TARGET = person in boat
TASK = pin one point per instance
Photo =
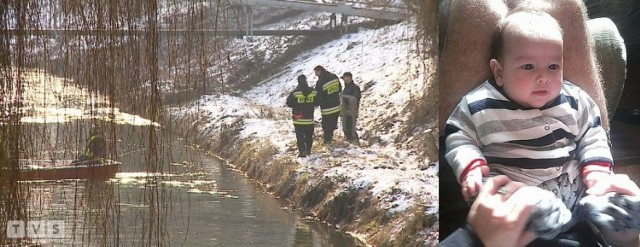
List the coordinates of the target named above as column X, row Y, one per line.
column 96, row 147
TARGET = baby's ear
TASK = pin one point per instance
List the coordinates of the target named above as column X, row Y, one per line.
column 496, row 68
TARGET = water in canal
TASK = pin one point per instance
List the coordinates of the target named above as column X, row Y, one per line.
column 170, row 195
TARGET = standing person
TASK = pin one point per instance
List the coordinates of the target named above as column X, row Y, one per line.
column 332, row 21
column 350, row 105
column 302, row 101
column 529, row 124
column 343, row 22
column 328, row 88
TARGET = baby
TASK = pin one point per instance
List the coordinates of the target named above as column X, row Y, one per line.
column 526, row 122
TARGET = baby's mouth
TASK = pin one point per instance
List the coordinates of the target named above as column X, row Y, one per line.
column 540, row 92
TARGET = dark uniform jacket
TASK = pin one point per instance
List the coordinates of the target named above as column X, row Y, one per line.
column 353, row 90
column 96, row 146
column 329, row 88
column 302, row 101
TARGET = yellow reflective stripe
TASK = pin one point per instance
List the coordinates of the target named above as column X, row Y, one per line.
column 300, row 93
column 88, row 151
column 311, row 97
column 301, row 98
column 330, row 110
column 303, row 121
column 330, row 83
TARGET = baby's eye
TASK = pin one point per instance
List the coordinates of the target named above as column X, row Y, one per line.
column 527, row 66
column 554, row 66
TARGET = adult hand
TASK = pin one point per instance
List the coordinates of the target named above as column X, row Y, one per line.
column 619, row 183
column 501, row 211
column 593, row 177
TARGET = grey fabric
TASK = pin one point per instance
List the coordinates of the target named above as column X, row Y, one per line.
column 558, row 210
column 542, row 177
column 613, row 212
column 611, row 55
column 549, row 218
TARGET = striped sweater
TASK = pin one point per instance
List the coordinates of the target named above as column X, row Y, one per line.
column 487, row 128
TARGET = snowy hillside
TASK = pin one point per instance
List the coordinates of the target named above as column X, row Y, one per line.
column 386, row 65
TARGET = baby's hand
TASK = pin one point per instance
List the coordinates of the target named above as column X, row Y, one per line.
column 472, row 183
column 593, row 177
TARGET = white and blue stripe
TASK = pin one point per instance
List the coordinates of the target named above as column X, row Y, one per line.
column 487, row 125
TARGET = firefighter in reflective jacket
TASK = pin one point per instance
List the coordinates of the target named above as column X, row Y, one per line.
column 328, row 88
column 302, row 101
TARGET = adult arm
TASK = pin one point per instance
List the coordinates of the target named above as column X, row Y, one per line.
column 321, row 93
column 291, row 101
column 497, row 219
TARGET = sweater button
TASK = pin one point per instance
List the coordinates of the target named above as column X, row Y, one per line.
column 546, row 127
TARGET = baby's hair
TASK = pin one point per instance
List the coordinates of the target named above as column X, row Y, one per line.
column 497, row 44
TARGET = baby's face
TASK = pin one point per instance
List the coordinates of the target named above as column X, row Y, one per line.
column 531, row 68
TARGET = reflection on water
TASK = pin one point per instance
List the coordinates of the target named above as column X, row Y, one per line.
column 188, row 199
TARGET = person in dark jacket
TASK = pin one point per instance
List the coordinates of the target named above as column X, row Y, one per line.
column 328, row 88
column 302, row 101
column 96, row 147
column 350, row 105
column 332, row 21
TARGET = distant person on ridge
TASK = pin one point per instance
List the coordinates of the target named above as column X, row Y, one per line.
column 328, row 88
column 344, row 21
column 302, row 101
column 350, row 105
column 332, row 21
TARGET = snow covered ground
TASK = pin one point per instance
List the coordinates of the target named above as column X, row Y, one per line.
column 386, row 65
